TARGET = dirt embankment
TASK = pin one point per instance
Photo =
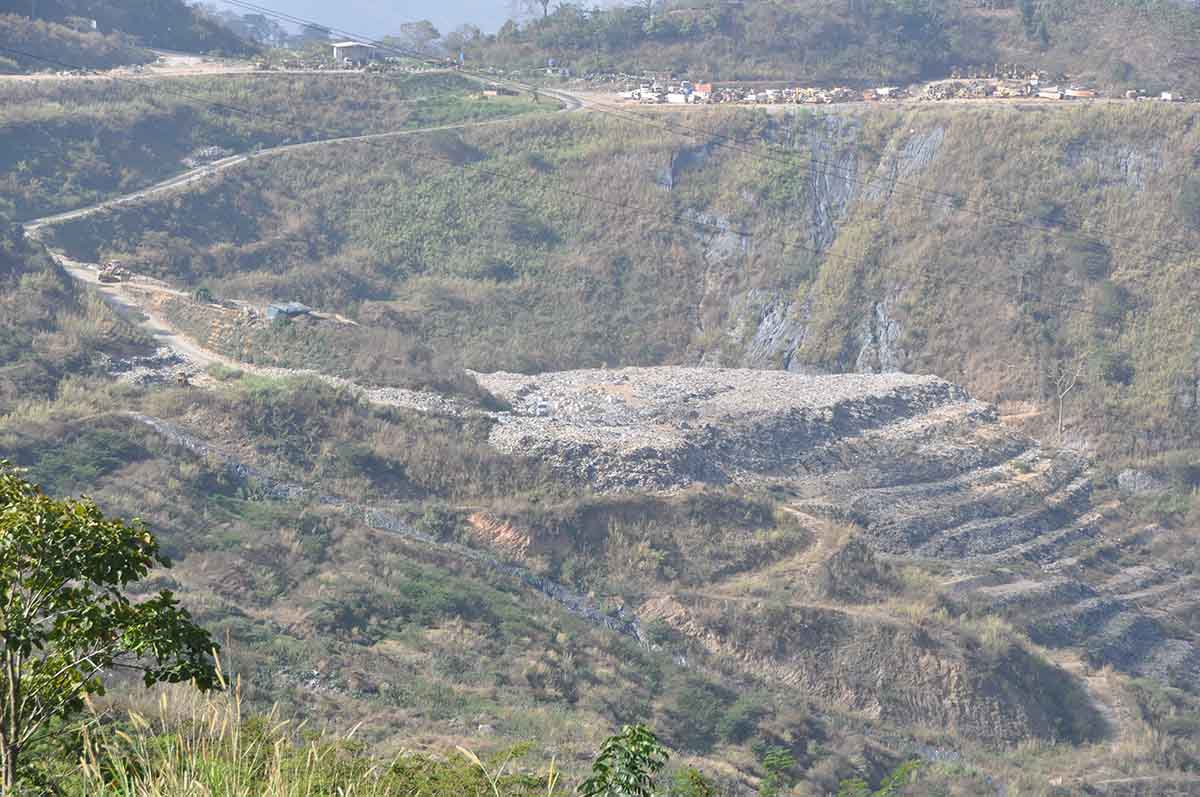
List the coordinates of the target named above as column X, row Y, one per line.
column 909, row 675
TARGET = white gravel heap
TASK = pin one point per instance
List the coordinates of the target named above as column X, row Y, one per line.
column 667, row 427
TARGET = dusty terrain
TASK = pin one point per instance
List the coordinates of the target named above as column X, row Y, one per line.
column 660, row 428
column 921, row 472
column 925, row 471
column 169, row 64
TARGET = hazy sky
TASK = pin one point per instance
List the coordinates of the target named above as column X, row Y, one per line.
column 376, row 18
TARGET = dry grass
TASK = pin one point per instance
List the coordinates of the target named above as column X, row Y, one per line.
column 204, row 745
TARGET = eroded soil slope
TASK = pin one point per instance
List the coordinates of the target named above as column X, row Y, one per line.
column 924, row 471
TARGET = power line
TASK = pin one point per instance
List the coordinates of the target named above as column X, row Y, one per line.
column 690, row 221
column 959, row 202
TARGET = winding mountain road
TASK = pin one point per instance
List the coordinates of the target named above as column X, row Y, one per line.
column 132, row 299
column 570, row 104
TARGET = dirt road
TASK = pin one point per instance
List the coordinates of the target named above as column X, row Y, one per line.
column 122, row 298
column 132, row 300
column 569, row 102
column 169, row 64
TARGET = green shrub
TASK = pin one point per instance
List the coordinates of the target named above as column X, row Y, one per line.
column 740, row 722
column 82, row 458
column 223, row 373
column 440, row 521
column 1089, row 259
column 1114, row 367
column 1189, row 201
column 696, row 708
column 627, row 765
column 1110, row 305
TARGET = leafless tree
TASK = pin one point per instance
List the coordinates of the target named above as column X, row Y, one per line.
column 1065, row 376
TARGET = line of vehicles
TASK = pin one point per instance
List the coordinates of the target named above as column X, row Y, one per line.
column 684, row 92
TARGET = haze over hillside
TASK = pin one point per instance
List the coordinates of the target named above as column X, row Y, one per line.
column 1115, row 44
column 848, row 439
column 374, row 19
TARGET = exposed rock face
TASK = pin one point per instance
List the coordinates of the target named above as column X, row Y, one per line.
column 833, row 182
column 1135, row 482
column 1112, row 164
column 781, row 329
column 917, row 152
column 769, row 329
column 879, row 338
column 666, row 428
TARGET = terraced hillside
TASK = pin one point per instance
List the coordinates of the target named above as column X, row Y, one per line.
column 926, row 472
column 348, row 594
column 841, row 570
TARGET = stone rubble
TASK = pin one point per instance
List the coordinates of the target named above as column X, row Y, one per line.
column 165, row 365
column 664, row 428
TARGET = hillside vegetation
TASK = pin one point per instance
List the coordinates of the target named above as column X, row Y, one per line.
column 271, row 496
column 50, row 331
column 1108, row 42
column 74, row 143
column 870, row 586
column 1065, row 244
column 169, row 24
column 416, row 644
column 63, row 44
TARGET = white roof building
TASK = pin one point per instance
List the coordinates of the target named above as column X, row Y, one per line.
column 357, row 52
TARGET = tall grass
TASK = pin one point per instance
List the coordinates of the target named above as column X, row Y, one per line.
column 204, row 745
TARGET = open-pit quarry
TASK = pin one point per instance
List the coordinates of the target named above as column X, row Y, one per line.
column 922, row 470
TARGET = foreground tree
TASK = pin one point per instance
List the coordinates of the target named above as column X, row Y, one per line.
column 65, row 622
column 626, row 765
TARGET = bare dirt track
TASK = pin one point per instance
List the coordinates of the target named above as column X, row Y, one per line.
column 169, row 64
column 209, row 169
column 133, row 299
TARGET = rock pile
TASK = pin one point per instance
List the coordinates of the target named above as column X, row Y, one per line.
column 921, row 468
column 165, row 365
column 665, row 428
